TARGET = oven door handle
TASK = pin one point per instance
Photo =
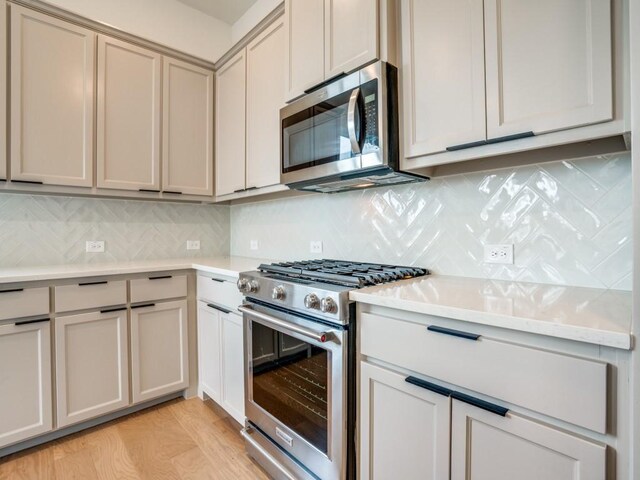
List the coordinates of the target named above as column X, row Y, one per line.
column 351, row 121
column 321, row 337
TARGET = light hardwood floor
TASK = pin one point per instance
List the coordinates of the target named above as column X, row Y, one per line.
column 181, row 439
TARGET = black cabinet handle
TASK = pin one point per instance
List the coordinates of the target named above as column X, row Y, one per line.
column 250, row 188
column 490, row 141
column 3, row 179
column 143, row 305
column 114, row 309
column 13, row 290
column 172, row 192
column 29, row 322
column 161, row 277
column 463, row 146
column 217, row 280
column 429, row 386
column 476, row 402
column 32, row 182
column 453, row 333
column 216, row 307
column 239, row 190
column 87, row 284
column 148, row 190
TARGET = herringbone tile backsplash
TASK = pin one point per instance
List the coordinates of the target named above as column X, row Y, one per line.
column 570, row 223
column 44, row 230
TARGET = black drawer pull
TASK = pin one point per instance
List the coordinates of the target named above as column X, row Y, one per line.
column 148, row 190
column 476, row 402
column 217, row 280
column 453, row 333
column 463, row 146
column 31, row 182
column 114, row 309
column 239, row 190
column 507, row 138
column 172, row 192
column 3, row 179
column 216, row 307
column 87, row 284
column 161, row 277
column 29, row 322
column 13, row 290
column 429, row 386
column 250, row 188
column 143, row 305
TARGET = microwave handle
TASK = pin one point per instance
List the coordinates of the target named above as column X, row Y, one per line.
column 351, row 121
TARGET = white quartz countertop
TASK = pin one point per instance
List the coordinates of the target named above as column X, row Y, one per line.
column 601, row 317
column 225, row 266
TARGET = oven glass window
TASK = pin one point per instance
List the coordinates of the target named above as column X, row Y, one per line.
column 290, row 379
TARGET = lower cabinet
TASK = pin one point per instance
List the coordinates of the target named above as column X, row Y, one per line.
column 159, row 350
column 25, row 381
column 92, row 366
column 210, row 381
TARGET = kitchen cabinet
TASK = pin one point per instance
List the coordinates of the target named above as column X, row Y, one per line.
column 128, row 118
column 3, row 90
column 159, row 349
column 405, row 428
column 52, row 96
column 92, row 365
column 231, row 125
column 187, row 148
column 486, row 445
column 209, row 352
column 232, row 399
column 25, row 377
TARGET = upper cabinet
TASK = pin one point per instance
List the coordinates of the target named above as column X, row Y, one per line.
column 328, row 38
column 52, row 96
column 187, row 154
column 249, row 95
column 3, row 90
column 128, row 123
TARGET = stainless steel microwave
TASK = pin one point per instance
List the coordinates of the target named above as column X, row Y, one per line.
column 344, row 135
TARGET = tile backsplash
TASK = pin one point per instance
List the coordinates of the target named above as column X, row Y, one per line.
column 51, row 230
column 570, row 223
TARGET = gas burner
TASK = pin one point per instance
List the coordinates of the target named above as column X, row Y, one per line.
column 343, row 273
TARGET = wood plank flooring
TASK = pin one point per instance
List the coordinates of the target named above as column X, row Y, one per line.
column 181, row 439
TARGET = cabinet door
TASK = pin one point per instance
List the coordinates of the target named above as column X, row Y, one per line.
column 304, row 40
column 231, row 125
column 265, row 97
column 233, row 366
column 187, row 129
column 350, row 35
column 52, row 95
column 159, row 350
column 92, row 368
column 488, row 446
column 209, row 352
column 404, row 428
column 442, row 74
column 549, row 65
column 3, row 90
column 128, row 123
column 25, row 380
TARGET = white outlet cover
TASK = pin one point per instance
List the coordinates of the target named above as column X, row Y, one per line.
column 253, row 244
column 315, row 246
column 502, row 253
column 193, row 244
column 94, row 246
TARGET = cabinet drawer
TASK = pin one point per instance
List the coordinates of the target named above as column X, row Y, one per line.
column 222, row 293
column 23, row 302
column 562, row 386
column 90, row 295
column 158, row 287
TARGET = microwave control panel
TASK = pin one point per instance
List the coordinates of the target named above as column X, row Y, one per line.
column 371, row 101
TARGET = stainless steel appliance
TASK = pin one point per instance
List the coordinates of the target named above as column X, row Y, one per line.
column 299, row 334
column 344, row 135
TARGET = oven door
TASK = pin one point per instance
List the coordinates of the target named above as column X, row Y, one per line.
column 295, row 371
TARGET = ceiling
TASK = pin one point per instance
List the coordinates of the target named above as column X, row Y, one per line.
column 226, row 10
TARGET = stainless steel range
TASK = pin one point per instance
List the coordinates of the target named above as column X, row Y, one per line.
column 299, row 335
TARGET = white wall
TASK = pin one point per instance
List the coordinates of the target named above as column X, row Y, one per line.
column 251, row 18
column 167, row 22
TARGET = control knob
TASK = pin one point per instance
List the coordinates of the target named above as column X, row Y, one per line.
column 278, row 293
column 312, row 301
column 246, row 286
column 328, row 305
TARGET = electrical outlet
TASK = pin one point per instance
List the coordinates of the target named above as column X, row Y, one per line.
column 193, row 244
column 315, row 246
column 253, row 244
column 94, row 246
column 498, row 253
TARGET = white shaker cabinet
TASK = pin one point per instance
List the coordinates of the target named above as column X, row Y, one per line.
column 52, row 97
column 442, row 74
column 92, row 365
column 549, row 65
column 405, row 428
column 187, row 129
column 159, row 350
column 231, row 125
column 485, row 445
column 232, row 399
column 128, row 124
column 3, row 90
column 25, row 381
column 265, row 97
column 209, row 352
